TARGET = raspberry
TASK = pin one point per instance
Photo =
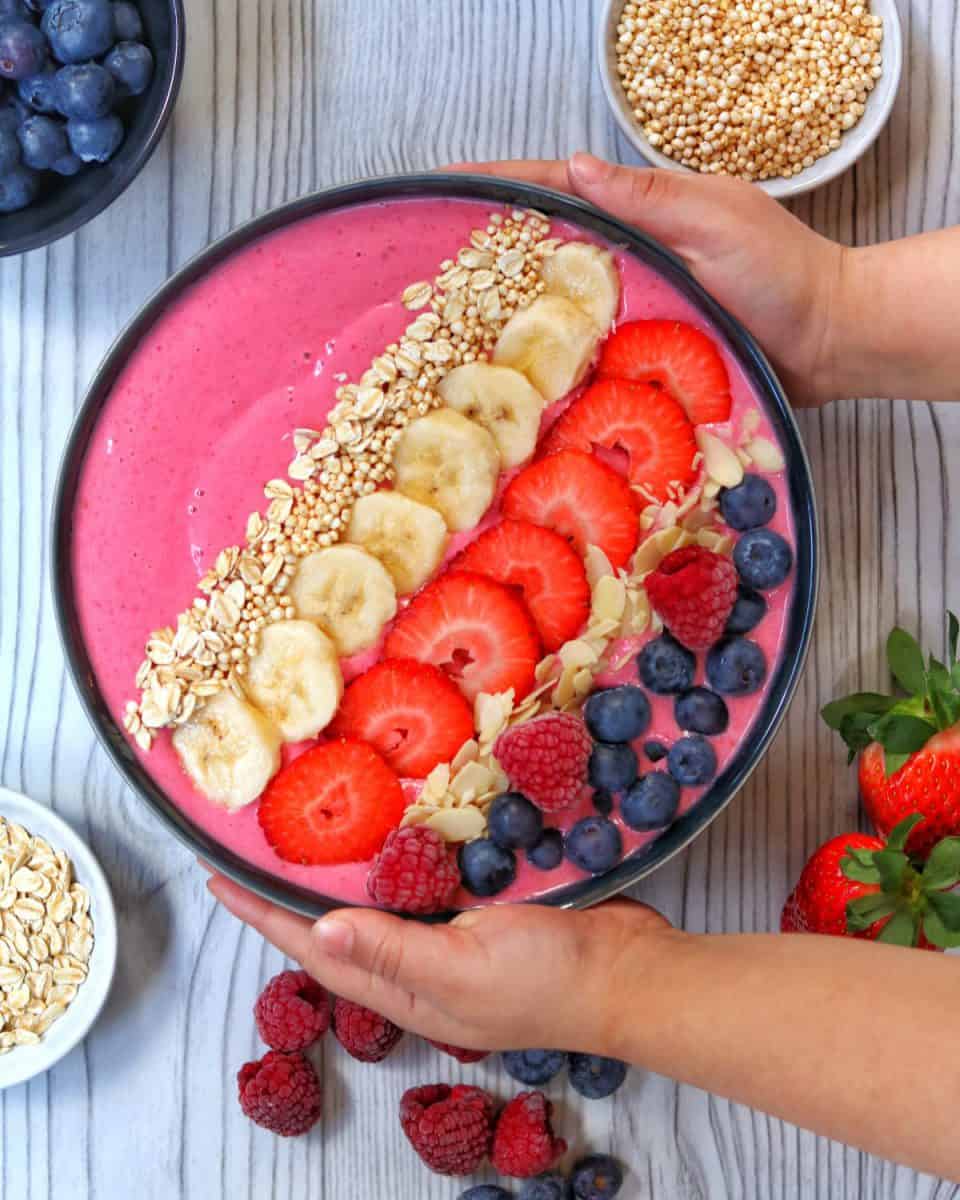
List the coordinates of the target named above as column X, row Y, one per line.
column 363, row 1033
column 523, row 1143
column 694, row 591
column 461, row 1055
column 280, row 1092
column 414, row 872
column 292, row 1011
column 450, row 1128
column 546, row 759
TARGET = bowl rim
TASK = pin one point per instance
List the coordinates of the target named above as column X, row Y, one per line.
column 784, row 678
column 825, row 169
column 72, row 221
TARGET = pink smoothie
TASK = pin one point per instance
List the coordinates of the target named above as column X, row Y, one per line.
column 201, row 418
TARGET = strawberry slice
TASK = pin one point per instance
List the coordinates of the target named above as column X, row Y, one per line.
column 334, row 804
column 476, row 631
column 639, row 419
column 677, row 357
column 544, row 567
column 579, row 497
column 409, row 711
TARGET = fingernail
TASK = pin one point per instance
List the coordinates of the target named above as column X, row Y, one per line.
column 588, row 170
column 335, row 937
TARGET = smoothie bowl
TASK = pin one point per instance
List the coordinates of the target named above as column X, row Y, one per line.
column 437, row 504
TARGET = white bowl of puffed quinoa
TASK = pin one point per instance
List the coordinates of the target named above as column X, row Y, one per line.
column 786, row 93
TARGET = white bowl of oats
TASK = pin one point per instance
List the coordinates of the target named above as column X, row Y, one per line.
column 783, row 93
column 58, row 939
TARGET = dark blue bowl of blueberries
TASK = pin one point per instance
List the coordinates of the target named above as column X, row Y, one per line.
column 86, row 89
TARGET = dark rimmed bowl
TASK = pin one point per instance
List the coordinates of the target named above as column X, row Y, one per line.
column 500, row 192
column 66, row 204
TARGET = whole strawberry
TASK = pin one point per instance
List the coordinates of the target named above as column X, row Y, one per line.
column 909, row 745
column 547, row 759
column 524, row 1143
column 450, row 1128
column 693, row 591
column 864, row 887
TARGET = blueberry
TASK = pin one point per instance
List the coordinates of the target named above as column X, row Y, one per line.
column 10, row 118
column 736, row 667
column 655, row 751
column 38, row 5
column 127, row 26
column 37, row 90
column 748, row 505
column 84, row 91
column 534, row 1067
column 67, row 164
column 701, row 711
column 43, row 142
column 545, row 1187
column 748, row 612
column 95, row 141
column 594, row 844
column 603, row 803
column 14, row 8
column 665, row 666
column 617, row 714
column 18, row 188
column 692, row 761
column 485, row 1191
column 486, row 867
column 547, row 854
column 515, row 823
column 596, row 1077
column 651, row 803
column 763, row 559
column 9, row 150
column 131, row 65
column 596, row 1177
column 23, row 48
column 78, row 29
column 613, row 766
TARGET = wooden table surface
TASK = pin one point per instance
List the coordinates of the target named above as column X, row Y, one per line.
column 280, row 97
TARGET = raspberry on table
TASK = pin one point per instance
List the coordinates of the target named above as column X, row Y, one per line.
column 457, row 1052
column 694, row 591
column 364, row 1034
column 414, row 872
column 281, row 1092
column 523, row 1142
column 546, row 759
column 292, row 1011
column 450, row 1128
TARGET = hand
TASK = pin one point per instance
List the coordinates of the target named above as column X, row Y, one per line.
column 497, row 978
column 778, row 277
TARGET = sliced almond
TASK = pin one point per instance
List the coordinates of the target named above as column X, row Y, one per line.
column 609, row 598
column 720, row 462
column 765, row 454
column 458, row 824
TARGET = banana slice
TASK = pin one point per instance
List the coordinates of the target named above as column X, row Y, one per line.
column 500, row 399
column 587, row 276
column 295, row 679
column 229, row 749
column 552, row 342
column 450, row 463
column 410, row 539
column 348, row 593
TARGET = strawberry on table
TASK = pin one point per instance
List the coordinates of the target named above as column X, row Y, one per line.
column 545, row 568
column 677, row 357
column 640, row 419
column 909, row 745
column 576, row 495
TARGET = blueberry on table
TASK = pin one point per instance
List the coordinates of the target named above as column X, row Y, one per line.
column 736, row 666
column 37, row 90
column 763, row 559
column 515, row 823
column 14, row 8
column 127, row 26
column 18, row 188
column 617, row 714
column 486, row 1191
column 95, row 141
column 131, row 65
column 613, row 766
column 43, row 142
column 38, row 5
column 692, row 761
column 596, row 1077
column 78, row 29
column 486, row 868
column 749, row 505
column 23, row 48
column 603, row 803
column 651, row 803
column 533, row 1067
column 84, row 91
column 665, row 666
column 9, row 149
column 545, row 1187
column 748, row 611
column 596, row 1177
column 701, row 711
column 594, row 845
column 547, row 854
column 655, row 751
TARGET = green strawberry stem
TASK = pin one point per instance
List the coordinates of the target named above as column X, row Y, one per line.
column 902, row 724
column 914, row 897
